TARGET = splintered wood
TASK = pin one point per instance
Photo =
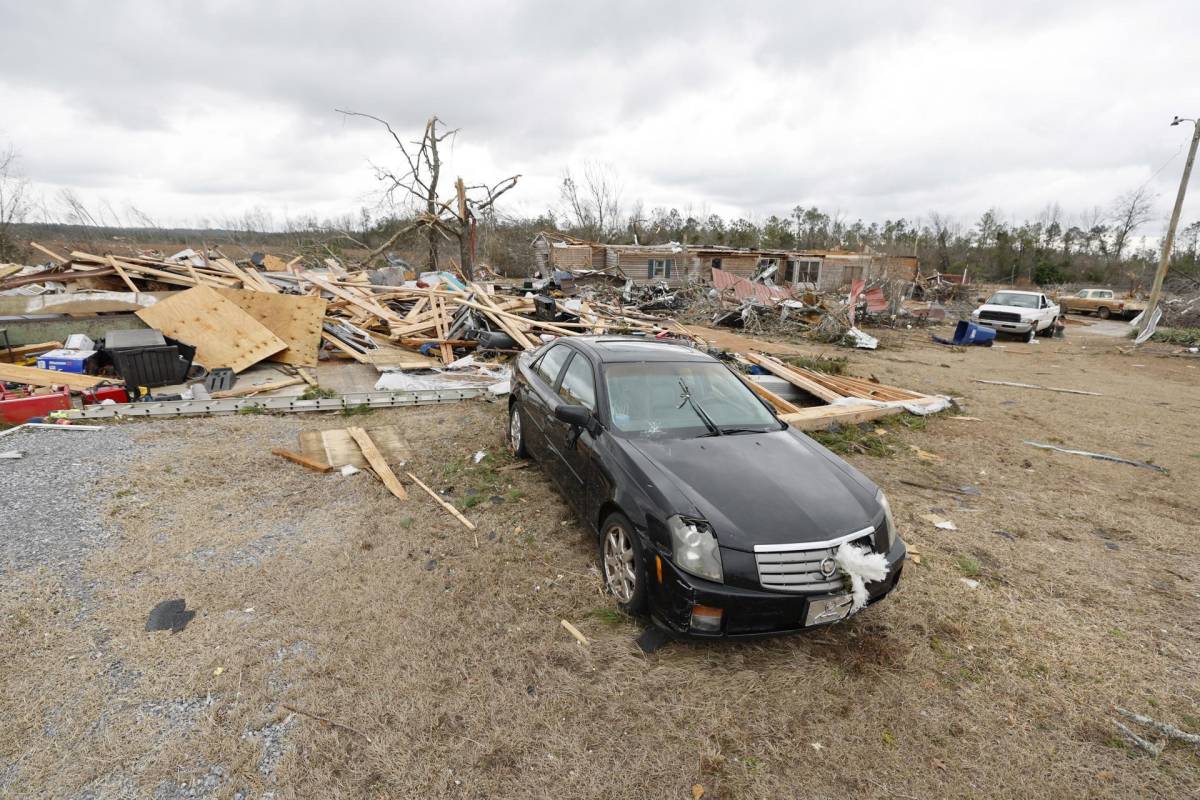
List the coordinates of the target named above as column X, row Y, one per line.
column 378, row 463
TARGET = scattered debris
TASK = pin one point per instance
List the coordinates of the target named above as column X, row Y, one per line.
column 378, row 463
column 1166, row 730
column 571, row 629
column 449, row 508
column 1099, row 456
column 970, row 583
column 303, row 460
column 1035, row 386
column 939, row 522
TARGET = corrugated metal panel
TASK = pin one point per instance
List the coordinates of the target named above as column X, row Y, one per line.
column 743, row 289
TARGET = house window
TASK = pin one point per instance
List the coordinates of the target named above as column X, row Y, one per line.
column 804, row 270
column 716, row 263
column 660, row 267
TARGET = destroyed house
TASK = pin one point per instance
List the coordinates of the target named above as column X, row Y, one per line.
column 665, row 263
column 557, row 251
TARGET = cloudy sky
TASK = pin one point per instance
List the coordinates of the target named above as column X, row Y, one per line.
column 201, row 111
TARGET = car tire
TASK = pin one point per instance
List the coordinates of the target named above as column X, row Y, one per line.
column 1103, row 312
column 622, row 564
column 1031, row 334
column 516, row 433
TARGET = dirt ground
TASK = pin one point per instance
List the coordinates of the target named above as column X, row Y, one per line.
column 350, row 645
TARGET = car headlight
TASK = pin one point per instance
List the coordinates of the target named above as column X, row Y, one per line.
column 694, row 548
column 889, row 523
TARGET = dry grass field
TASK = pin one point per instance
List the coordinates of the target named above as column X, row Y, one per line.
column 350, row 645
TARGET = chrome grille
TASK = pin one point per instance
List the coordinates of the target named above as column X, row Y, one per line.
column 797, row 567
column 1001, row 316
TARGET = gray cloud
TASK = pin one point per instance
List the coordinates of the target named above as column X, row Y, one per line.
column 879, row 109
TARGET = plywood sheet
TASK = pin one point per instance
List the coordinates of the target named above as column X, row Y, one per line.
column 223, row 334
column 295, row 319
column 338, row 448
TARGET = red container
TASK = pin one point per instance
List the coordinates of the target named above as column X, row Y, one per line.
column 19, row 406
column 115, row 393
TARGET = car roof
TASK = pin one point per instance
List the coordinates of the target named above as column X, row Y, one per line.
column 613, row 349
column 1016, row 291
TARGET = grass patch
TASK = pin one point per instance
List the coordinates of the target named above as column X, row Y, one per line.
column 354, row 411
column 608, row 615
column 472, row 500
column 830, row 365
column 251, row 409
column 1184, row 336
column 849, row 439
column 969, row 566
column 514, row 495
column 318, row 393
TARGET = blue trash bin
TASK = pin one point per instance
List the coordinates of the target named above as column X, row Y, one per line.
column 969, row 333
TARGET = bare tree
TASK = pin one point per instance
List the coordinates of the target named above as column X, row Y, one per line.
column 1130, row 211
column 417, row 183
column 593, row 201
column 14, row 202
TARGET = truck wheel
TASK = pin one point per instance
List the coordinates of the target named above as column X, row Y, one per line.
column 1103, row 312
column 1031, row 333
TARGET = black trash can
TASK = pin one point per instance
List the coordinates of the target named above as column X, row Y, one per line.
column 147, row 358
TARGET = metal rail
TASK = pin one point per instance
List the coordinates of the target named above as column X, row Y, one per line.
column 234, row 405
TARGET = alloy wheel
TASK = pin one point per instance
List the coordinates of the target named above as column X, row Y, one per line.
column 514, row 430
column 619, row 573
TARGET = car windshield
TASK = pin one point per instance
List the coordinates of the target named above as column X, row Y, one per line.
column 1013, row 299
column 663, row 398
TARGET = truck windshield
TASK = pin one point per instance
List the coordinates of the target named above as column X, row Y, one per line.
column 646, row 398
column 1013, row 299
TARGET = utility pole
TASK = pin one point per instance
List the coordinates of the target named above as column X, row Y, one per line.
column 1156, row 290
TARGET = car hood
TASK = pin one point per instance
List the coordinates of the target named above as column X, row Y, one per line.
column 1025, row 312
column 769, row 488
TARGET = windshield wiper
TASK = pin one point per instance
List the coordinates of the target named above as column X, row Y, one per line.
column 729, row 430
column 713, row 430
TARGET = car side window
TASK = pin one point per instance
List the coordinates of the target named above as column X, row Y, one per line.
column 550, row 364
column 579, row 383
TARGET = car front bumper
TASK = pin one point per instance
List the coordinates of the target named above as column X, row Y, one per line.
column 1002, row 325
column 746, row 613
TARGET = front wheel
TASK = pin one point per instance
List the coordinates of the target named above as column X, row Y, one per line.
column 1103, row 313
column 622, row 564
column 516, row 437
column 1031, row 334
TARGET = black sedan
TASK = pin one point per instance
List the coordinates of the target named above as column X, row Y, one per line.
column 710, row 513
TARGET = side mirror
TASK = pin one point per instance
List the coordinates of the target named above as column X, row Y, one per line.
column 576, row 416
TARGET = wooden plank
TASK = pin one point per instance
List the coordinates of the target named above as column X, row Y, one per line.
column 120, row 272
column 302, row 460
column 810, row 419
column 20, row 353
column 297, row 319
column 780, row 405
column 345, row 348
column 399, row 359
column 48, row 377
column 223, row 334
column 243, row 391
column 337, row 448
column 791, row 376
column 378, row 463
column 48, row 251
column 365, row 304
column 443, row 329
column 451, row 509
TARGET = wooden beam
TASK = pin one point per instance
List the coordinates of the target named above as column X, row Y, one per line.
column 48, row 252
column 302, row 460
column 19, row 353
column 113, row 263
column 345, row 348
column 451, row 509
column 791, row 376
column 378, row 463
column 810, row 419
column 778, row 403
column 243, row 391
column 48, row 377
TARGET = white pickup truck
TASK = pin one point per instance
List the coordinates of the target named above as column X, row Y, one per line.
column 1022, row 313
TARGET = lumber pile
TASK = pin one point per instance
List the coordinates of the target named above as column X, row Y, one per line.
column 837, row 394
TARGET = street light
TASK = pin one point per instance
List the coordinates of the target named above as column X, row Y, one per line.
column 1156, row 291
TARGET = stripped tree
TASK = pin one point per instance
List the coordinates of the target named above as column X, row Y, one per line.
column 417, row 183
